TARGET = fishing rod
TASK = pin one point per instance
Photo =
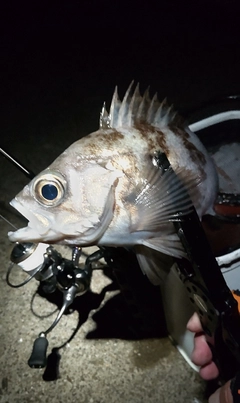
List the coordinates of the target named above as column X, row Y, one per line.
column 207, row 289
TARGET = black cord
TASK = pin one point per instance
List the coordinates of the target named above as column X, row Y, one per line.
column 24, row 282
column 40, row 316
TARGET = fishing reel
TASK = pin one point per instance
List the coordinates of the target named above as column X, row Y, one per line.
column 53, row 272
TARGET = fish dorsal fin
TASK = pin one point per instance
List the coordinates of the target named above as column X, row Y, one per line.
column 135, row 109
column 114, row 108
column 104, row 122
column 144, row 105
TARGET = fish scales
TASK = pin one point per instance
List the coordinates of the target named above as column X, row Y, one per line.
column 105, row 189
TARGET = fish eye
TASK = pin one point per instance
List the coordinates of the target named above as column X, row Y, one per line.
column 49, row 189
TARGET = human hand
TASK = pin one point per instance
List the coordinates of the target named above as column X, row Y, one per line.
column 202, row 356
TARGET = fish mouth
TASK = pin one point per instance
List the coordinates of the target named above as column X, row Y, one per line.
column 28, row 233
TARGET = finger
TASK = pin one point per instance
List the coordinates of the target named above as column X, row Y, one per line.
column 194, row 324
column 209, row 371
column 201, row 354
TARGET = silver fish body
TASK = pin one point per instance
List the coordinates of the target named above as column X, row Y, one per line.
column 106, row 189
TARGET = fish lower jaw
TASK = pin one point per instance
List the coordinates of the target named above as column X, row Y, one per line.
column 23, row 235
column 28, row 234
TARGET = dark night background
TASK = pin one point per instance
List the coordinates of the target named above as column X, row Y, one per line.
column 61, row 60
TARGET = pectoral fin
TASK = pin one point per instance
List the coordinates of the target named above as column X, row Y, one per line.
column 162, row 198
column 169, row 244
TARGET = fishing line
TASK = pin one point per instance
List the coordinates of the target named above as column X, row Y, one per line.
column 35, row 313
column 24, row 282
column 17, row 164
column 7, row 221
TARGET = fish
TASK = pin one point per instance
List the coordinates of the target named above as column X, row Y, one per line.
column 107, row 189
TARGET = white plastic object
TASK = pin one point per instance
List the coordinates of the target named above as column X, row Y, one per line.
column 35, row 259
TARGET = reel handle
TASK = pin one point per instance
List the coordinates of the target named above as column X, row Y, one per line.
column 38, row 358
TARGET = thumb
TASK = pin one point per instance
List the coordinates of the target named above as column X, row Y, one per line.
column 222, row 395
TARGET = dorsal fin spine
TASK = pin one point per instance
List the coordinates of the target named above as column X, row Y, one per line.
column 135, row 109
